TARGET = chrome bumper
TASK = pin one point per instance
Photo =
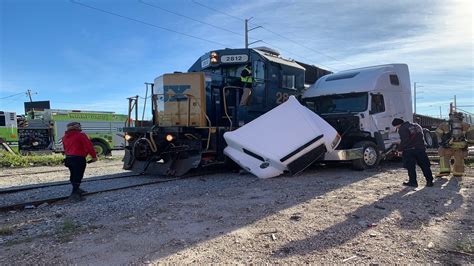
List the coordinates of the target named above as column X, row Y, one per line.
column 344, row 155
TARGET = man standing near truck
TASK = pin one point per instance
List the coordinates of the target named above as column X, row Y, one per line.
column 76, row 148
column 412, row 144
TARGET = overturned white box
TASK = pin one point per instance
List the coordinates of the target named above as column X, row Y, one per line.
column 288, row 138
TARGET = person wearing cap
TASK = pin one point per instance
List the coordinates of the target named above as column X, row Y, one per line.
column 412, row 145
column 77, row 146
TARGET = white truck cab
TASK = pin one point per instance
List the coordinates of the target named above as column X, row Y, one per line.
column 361, row 104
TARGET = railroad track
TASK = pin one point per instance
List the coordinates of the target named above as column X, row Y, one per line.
column 138, row 181
column 57, row 170
column 59, row 183
column 35, row 203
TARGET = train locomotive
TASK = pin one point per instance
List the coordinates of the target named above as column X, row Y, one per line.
column 191, row 111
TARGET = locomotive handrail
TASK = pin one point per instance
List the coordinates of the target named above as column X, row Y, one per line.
column 225, row 101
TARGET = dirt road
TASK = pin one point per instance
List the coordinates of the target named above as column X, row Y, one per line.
column 328, row 214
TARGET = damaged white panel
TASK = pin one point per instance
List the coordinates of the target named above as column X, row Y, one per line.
column 288, row 138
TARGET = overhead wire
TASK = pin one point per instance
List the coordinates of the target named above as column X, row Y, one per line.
column 306, row 47
column 147, row 23
column 213, row 9
column 14, row 99
column 273, row 32
column 188, row 17
column 9, row 96
column 221, row 28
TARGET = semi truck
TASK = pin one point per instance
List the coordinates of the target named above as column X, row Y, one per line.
column 361, row 104
column 42, row 131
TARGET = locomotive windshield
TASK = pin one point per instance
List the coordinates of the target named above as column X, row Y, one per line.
column 341, row 103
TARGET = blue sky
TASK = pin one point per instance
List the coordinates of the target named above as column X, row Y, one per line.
column 81, row 58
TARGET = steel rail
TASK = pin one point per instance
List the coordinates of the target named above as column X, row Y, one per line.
column 58, row 183
column 57, row 170
column 34, row 204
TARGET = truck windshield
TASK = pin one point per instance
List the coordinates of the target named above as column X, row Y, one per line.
column 340, row 103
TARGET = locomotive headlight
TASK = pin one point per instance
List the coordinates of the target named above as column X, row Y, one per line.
column 128, row 137
column 35, row 143
column 169, row 138
column 214, row 57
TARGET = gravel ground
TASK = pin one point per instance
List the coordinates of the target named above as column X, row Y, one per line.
column 326, row 215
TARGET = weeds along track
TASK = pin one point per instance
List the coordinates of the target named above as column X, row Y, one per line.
column 58, row 170
column 30, row 197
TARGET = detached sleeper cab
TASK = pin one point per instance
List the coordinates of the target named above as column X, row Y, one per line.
column 288, row 138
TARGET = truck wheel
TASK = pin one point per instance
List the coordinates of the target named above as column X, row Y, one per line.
column 100, row 148
column 428, row 138
column 371, row 155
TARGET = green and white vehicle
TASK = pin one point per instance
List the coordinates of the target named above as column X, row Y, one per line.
column 44, row 131
column 8, row 132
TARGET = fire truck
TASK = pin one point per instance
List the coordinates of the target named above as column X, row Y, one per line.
column 8, row 132
column 42, row 131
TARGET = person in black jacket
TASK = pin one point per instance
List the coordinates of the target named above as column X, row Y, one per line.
column 412, row 144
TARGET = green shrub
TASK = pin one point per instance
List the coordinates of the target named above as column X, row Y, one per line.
column 10, row 160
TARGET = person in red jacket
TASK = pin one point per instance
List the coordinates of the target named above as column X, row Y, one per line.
column 76, row 148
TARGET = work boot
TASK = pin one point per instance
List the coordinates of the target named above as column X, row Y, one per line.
column 408, row 184
column 429, row 183
column 75, row 197
column 442, row 174
column 81, row 191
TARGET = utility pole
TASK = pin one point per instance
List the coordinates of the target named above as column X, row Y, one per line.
column 414, row 97
column 440, row 115
column 455, row 105
column 246, row 33
column 247, row 30
column 28, row 92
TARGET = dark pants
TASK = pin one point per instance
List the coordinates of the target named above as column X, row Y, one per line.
column 413, row 157
column 77, row 166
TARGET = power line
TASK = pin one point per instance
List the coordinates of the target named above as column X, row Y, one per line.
column 148, row 24
column 457, row 108
column 14, row 99
column 304, row 46
column 190, row 18
column 11, row 95
column 213, row 9
column 273, row 32
column 217, row 27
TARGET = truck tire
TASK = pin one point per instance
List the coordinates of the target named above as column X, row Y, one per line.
column 371, row 156
column 428, row 138
column 100, row 148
